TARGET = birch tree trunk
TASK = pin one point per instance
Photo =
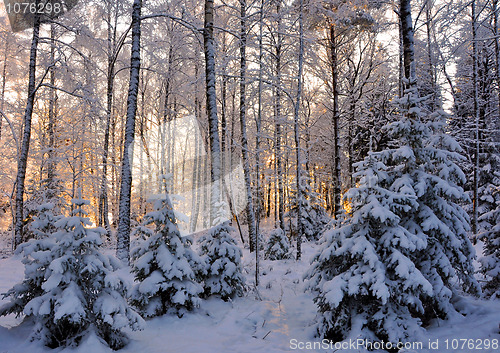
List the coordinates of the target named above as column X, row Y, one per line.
column 23, row 155
column 300, row 190
column 336, row 123
column 166, row 133
column 4, row 80
column 103, row 219
column 123, row 236
column 497, row 53
column 257, row 141
column 475, row 83
column 408, row 43
column 51, row 168
column 278, row 126
column 244, row 141
column 196, row 184
column 401, row 60
column 198, row 163
column 213, row 123
column 430, row 56
column 224, row 114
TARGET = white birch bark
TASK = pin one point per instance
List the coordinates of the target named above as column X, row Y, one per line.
column 103, row 219
column 4, row 81
column 475, row 84
column 123, row 236
column 408, row 42
column 497, row 51
column 299, row 186
column 336, row 123
column 213, row 123
column 278, row 120
column 52, row 110
column 244, row 140
column 257, row 138
column 430, row 56
column 25, row 145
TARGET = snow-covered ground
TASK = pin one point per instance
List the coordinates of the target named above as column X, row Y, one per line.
column 279, row 317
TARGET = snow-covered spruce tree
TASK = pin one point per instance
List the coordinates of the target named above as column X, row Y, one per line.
column 43, row 224
column 166, row 268
column 314, row 216
column 278, row 246
column 490, row 233
column 424, row 160
column 490, row 261
column 42, row 227
column 40, row 197
column 223, row 263
column 37, row 256
column 77, row 288
column 391, row 267
column 488, row 191
column 364, row 276
column 315, row 220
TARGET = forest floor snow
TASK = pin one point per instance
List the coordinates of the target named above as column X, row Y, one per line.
column 279, row 317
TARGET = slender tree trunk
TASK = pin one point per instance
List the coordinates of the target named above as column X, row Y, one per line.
column 497, row 53
column 252, row 235
column 142, row 138
column 213, row 123
column 4, row 80
column 198, row 163
column 278, row 118
column 408, row 43
column 103, row 197
column 166, row 161
column 350, row 138
column 196, row 184
column 336, row 123
column 430, row 56
column 257, row 143
column 171, row 144
column 224, row 127
column 23, row 155
column 475, row 199
column 51, row 168
column 300, row 189
column 123, row 236
column 401, row 60
column 114, row 171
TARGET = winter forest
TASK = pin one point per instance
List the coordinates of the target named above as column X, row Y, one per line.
column 250, row 176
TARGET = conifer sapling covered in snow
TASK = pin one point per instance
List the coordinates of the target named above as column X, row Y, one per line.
column 43, row 224
column 363, row 275
column 393, row 264
column 314, row 216
column 223, row 263
column 278, row 246
column 42, row 202
column 165, row 266
column 37, row 257
column 490, row 234
column 78, row 289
